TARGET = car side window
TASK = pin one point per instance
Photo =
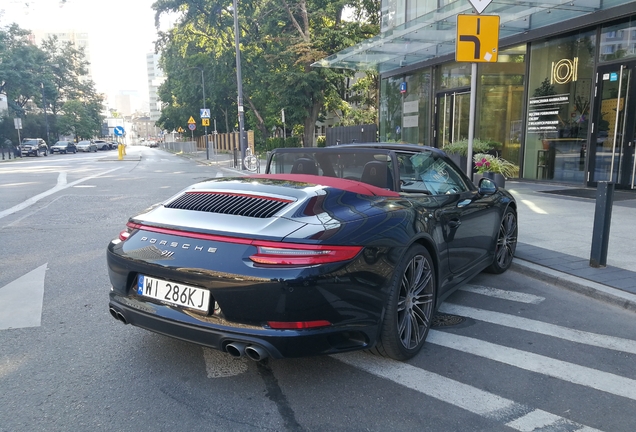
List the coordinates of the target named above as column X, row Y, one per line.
column 429, row 173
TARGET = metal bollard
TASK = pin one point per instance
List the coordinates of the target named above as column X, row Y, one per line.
column 120, row 151
column 602, row 221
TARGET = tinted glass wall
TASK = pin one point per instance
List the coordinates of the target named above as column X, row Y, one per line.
column 405, row 108
column 560, row 89
column 391, row 110
column 500, row 102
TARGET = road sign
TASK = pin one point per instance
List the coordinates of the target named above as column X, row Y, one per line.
column 205, row 122
column 119, row 131
column 180, row 130
column 205, row 113
column 477, row 38
column 17, row 122
column 191, row 120
column 192, row 126
column 480, row 5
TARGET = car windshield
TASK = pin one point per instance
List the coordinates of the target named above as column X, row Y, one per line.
column 30, row 141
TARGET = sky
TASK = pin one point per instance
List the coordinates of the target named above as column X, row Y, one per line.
column 121, row 33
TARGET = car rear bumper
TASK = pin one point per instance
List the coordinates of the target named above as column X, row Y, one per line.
column 278, row 344
column 350, row 297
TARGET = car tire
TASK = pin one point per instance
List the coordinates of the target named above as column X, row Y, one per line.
column 410, row 306
column 506, row 243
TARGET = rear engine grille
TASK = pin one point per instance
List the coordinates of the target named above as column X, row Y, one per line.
column 227, row 203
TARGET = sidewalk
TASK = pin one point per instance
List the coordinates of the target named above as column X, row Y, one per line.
column 555, row 236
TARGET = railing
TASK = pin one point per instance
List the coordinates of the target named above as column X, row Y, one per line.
column 179, row 147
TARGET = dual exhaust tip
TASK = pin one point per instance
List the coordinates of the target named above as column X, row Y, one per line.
column 240, row 349
column 235, row 349
column 118, row 315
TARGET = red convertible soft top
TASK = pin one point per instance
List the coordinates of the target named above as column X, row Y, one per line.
column 334, row 182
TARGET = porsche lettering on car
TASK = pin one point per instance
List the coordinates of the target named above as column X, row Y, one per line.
column 334, row 249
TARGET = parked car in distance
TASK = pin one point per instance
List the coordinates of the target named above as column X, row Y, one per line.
column 102, row 145
column 64, row 147
column 34, row 147
column 113, row 145
column 86, row 146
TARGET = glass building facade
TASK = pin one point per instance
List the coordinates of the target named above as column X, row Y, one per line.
column 560, row 102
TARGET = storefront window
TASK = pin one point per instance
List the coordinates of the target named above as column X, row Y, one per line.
column 559, row 92
column 500, row 102
column 453, row 75
column 618, row 41
column 416, row 108
column 391, row 110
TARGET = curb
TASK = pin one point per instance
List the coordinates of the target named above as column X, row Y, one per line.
column 586, row 287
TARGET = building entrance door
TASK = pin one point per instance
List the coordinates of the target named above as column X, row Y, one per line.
column 452, row 114
column 614, row 126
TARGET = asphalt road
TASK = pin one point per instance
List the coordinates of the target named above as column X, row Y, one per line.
column 527, row 355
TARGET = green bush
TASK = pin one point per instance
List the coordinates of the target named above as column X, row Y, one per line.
column 479, row 146
column 321, row 141
column 273, row 143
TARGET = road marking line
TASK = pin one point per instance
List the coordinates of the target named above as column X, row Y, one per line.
column 21, row 300
column 573, row 373
column 535, row 208
column 61, row 184
column 503, row 294
column 565, row 333
column 462, row 395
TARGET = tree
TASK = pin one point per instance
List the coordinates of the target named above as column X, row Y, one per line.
column 55, row 73
column 280, row 39
column 78, row 120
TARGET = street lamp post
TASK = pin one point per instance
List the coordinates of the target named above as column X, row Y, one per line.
column 239, row 85
column 207, row 146
column 46, row 118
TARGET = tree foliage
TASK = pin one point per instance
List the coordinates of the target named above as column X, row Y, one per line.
column 39, row 81
column 279, row 41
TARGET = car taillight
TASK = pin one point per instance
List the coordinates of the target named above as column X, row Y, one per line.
column 123, row 236
column 275, row 254
column 297, row 325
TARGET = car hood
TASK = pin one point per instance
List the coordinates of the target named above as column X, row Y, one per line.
column 275, row 208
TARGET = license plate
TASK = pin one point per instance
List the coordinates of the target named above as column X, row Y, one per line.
column 174, row 293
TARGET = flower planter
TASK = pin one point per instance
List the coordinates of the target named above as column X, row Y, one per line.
column 497, row 178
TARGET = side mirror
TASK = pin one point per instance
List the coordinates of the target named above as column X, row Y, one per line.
column 487, row 186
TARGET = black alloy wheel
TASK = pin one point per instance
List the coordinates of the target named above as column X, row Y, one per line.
column 410, row 307
column 506, row 243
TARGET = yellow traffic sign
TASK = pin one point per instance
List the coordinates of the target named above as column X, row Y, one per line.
column 191, row 121
column 205, row 122
column 180, row 130
column 477, row 38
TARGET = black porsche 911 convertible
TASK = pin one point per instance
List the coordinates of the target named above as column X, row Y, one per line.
column 333, row 249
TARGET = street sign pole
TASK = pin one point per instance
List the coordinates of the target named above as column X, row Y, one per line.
column 471, row 119
column 477, row 41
